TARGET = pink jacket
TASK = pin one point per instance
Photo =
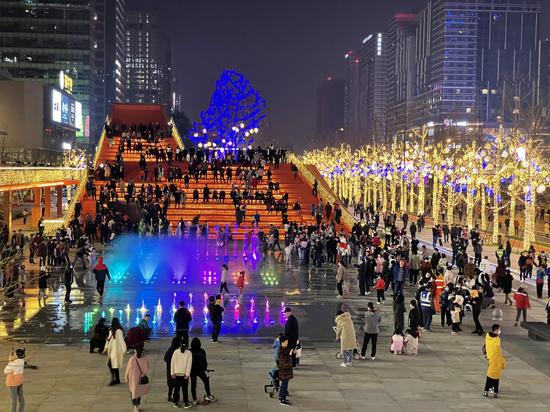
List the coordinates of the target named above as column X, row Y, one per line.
column 133, row 376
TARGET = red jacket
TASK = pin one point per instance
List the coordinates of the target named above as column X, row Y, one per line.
column 380, row 284
column 522, row 300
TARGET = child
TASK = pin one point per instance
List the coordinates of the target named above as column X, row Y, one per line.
column 241, row 281
column 410, row 344
column 397, row 343
column 455, row 318
column 380, row 286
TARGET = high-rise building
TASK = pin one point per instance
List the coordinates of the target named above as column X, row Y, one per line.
column 115, row 52
column 473, row 57
column 148, row 59
column 330, row 111
column 372, row 80
column 38, row 39
column 544, row 77
column 352, row 98
column 399, row 50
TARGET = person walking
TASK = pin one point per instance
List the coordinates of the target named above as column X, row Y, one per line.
column 180, row 369
column 198, row 370
column 292, row 332
column 541, row 272
column 15, row 378
column 101, row 273
column 223, row 280
column 68, row 278
column 170, row 382
column 345, row 331
column 285, row 368
column 115, row 348
column 340, row 277
column 137, row 376
column 373, row 318
column 522, row 304
column 182, row 318
column 215, row 309
column 495, row 359
column 507, row 281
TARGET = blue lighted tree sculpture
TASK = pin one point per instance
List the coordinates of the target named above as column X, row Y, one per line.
column 234, row 115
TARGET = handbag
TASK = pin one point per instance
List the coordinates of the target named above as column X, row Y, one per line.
column 144, row 379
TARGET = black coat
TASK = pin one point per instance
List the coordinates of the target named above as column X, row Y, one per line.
column 285, row 364
column 182, row 318
column 216, row 312
column 415, row 319
column 507, row 283
column 291, row 330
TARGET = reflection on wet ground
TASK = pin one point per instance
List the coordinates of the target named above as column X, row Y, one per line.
column 151, row 276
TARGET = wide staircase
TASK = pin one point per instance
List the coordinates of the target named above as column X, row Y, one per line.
column 214, row 213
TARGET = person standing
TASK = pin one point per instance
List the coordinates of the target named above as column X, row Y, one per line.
column 476, row 299
column 399, row 312
column 43, row 277
column 340, row 277
column 15, row 378
column 427, row 306
column 415, row 318
column 180, row 369
column 182, row 319
column 170, row 382
column 198, row 370
column 522, row 304
column 541, row 272
column 68, row 278
column 371, row 329
column 115, row 348
column 292, row 332
column 223, row 280
column 345, row 331
column 215, row 309
column 285, row 368
column 137, row 372
column 101, row 273
column 496, row 360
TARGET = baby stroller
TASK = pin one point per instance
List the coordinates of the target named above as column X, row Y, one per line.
column 274, row 382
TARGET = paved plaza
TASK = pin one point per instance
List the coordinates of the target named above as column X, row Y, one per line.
column 447, row 374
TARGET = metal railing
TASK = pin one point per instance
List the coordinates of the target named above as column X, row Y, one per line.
column 329, row 196
column 175, row 133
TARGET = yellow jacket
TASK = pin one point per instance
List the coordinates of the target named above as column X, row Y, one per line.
column 494, row 355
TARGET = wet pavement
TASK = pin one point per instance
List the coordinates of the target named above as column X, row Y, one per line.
column 152, row 276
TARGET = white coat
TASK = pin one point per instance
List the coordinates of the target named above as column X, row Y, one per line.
column 116, row 348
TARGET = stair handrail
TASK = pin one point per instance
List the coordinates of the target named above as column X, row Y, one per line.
column 309, row 178
column 69, row 213
column 175, row 133
column 100, row 142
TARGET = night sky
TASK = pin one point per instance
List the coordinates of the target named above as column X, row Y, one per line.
column 284, row 47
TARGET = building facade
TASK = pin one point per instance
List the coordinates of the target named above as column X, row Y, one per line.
column 148, row 59
column 39, row 39
column 473, row 57
column 330, row 112
column 372, row 81
column 399, row 49
column 352, row 98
